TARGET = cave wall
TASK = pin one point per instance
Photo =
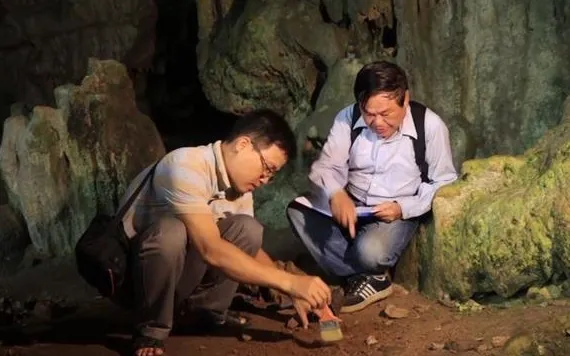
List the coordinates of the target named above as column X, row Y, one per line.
column 498, row 71
column 47, row 43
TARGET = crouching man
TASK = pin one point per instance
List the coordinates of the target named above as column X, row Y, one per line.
column 385, row 156
column 194, row 236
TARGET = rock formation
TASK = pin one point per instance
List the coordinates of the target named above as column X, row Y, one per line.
column 504, row 226
column 62, row 166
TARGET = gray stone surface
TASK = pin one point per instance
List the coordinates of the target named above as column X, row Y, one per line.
column 497, row 71
column 62, row 166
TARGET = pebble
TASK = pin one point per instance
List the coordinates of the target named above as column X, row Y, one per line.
column 371, row 340
column 394, row 312
column 245, row 337
column 436, row 346
column 499, row 341
column 292, row 323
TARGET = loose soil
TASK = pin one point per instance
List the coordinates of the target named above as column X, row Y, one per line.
column 96, row 327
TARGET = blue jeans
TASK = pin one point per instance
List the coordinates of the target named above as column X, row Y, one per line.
column 376, row 247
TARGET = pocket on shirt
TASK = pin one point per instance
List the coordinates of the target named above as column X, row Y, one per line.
column 361, row 154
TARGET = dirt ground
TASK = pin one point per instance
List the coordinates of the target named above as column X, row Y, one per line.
column 430, row 328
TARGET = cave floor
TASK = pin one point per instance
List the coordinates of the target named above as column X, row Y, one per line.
column 96, row 327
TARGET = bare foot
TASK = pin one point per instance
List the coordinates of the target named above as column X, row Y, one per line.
column 149, row 351
column 147, row 346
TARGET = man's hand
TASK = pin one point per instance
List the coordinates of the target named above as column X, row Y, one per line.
column 302, row 308
column 311, row 289
column 344, row 211
column 388, row 211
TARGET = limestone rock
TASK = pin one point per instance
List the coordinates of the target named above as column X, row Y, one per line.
column 495, row 70
column 62, row 166
column 336, row 93
column 505, row 225
column 264, row 56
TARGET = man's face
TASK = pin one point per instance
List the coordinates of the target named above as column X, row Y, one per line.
column 252, row 167
column 383, row 115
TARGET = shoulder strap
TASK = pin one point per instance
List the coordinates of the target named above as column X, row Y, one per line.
column 418, row 114
column 355, row 116
column 133, row 196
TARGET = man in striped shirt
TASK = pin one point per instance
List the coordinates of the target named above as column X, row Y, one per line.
column 194, row 236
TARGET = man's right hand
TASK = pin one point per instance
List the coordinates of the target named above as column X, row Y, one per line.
column 344, row 211
column 312, row 289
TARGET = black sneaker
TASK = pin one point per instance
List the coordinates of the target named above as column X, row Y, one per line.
column 363, row 290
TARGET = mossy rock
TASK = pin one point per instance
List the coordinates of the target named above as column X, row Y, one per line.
column 504, row 225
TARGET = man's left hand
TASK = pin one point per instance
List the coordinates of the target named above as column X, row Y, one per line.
column 388, row 211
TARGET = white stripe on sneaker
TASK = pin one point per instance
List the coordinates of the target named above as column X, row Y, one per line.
column 370, row 289
column 364, row 294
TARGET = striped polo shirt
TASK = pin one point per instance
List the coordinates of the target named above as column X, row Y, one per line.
column 187, row 180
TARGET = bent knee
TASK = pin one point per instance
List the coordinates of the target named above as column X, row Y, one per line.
column 374, row 256
column 244, row 231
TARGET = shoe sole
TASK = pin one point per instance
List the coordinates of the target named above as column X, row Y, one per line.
column 373, row 299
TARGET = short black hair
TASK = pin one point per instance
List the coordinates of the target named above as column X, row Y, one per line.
column 380, row 77
column 265, row 127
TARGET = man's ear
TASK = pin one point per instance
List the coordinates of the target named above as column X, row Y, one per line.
column 241, row 143
column 406, row 99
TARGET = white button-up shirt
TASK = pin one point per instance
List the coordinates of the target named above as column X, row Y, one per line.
column 377, row 170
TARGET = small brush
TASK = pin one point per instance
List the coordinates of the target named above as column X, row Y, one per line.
column 330, row 326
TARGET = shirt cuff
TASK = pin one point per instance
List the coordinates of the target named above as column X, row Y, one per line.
column 405, row 205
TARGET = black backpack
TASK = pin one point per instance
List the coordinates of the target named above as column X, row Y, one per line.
column 418, row 114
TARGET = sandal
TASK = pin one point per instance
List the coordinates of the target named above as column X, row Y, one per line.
column 146, row 342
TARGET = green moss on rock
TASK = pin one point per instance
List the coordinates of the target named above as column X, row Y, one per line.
column 504, row 225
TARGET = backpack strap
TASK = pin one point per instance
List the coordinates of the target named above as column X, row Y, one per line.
column 121, row 214
column 355, row 131
column 418, row 114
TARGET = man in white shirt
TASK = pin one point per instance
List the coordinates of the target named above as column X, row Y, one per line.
column 377, row 155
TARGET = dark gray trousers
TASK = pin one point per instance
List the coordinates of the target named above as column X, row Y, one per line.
column 167, row 270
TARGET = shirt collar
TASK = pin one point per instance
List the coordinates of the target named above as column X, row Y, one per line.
column 408, row 128
column 221, row 172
